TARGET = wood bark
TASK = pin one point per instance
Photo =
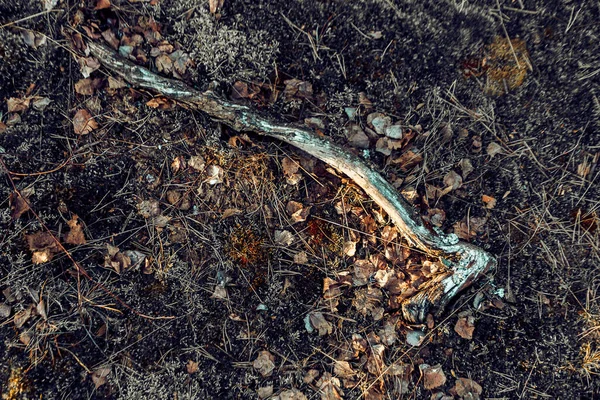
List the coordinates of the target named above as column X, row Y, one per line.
column 466, row 262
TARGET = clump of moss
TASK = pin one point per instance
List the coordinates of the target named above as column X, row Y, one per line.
column 245, row 246
column 506, row 63
column 222, row 46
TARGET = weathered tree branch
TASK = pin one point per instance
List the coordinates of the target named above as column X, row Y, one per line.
column 466, row 261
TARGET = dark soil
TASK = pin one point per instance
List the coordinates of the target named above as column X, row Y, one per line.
column 429, row 65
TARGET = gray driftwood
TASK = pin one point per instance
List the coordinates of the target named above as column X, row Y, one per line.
column 466, row 262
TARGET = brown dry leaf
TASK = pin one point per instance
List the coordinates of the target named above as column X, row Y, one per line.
column 295, row 88
column 329, row 387
column 3, row 127
column 407, row 160
column 283, row 238
column 466, row 167
column 22, row 316
column 435, row 216
column 43, row 245
column 297, row 211
column 84, row 87
column 111, row 39
column 453, row 181
column 148, row 208
column 318, row 321
column 75, row 235
column 489, row 201
column 493, row 148
column 465, row 327
column 5, row 310
column 99, row 376
column 164, row 64
column 161, row 103
column 116, row 260
column 433, row 376
column 17, row 105
column 264, row 363
column 230, row 212
column 290, row 394
column 192, row 367
column 102, row 4
column 468, row 229
column 362, row 271
column 116, row 83
column 19, row 204
column 467, row 389
column 215, row 5
column 375, row 364
column 83, row 122
column 343, row 369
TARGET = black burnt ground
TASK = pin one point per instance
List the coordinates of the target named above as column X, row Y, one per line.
column 233, row 242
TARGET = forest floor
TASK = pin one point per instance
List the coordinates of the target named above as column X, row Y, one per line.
column 147, row 251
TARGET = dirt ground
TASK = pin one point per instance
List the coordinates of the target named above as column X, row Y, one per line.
column 148, row 251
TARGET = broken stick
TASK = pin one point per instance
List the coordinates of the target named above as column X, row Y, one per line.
column 466, row 262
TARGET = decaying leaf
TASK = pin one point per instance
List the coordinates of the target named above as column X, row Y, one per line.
column 215, row 5
column 489, row 201
column 291, row 171
column 19, row 204
column 297, row 212
column 318, row 321
column 465, row 327
column 22, row 316
column 290, row 394
column 467, row 389
column 466, row 167
column 264, row 392
column 330, row 387
column 469, row 228
column 375, row 364
column 102, row 4
column 407, row 160
column 283, row 238
column 84, row 87
column 99, row 376
column 17, row 105
column 295, row 88
column 493, row 148
column 43, row 245
column 343, row 369
column 433, row 376
column 83, row 122
column 75, row 234
column 116, row 260
column 301, row 258
column 191, row 367
column 264, row 363
column 215, row 174
column 148, row 208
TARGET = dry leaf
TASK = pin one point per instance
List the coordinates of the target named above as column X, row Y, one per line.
column 301, row 258
column 116, row 83
column 290, row 394
column 40, row 103
column 197, row 163
column 164, row 64
column 489, row 201
column 83, row 122
column 192, row 367
column 264, row 363
column 75, row 235
column 375, row 364
column 148, row 208
column 343, row 369
column 433, row 376
column 43, row 245
column 215, row 174
column 295, row 88
column 116, row 260
column 297, row 211
column 50, row 4
column 493, row 148
column 283, row 238
column 264, row 392
column 22, row 316
column 5, row 310
column 17, row 105
column 452, row 180
column 407, row 160
column 111, row 39
column 84, row 87
column 465, row 327
column 466, row 167
column 99, row 376
column 318, row 321
column 467, row 389
column 230, row 212
column 102, row 4
column 19, row 204
column 469, row 229
column 161, row 103
column 329, row 387
column 215, row 5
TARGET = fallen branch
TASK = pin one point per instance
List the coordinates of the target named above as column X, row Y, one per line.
column 465, row 261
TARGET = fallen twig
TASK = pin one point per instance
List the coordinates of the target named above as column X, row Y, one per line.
column 466, row 262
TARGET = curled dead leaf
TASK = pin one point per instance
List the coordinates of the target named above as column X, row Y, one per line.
column 116, row 260
column 465, row 327
column 75, row 235
column 17, row 105
column 264, row 363
column 43, row 245
column 83, row 122
column 19, row 204
column 433, row 376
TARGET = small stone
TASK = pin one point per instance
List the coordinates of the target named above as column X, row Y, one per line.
column 415, row 338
